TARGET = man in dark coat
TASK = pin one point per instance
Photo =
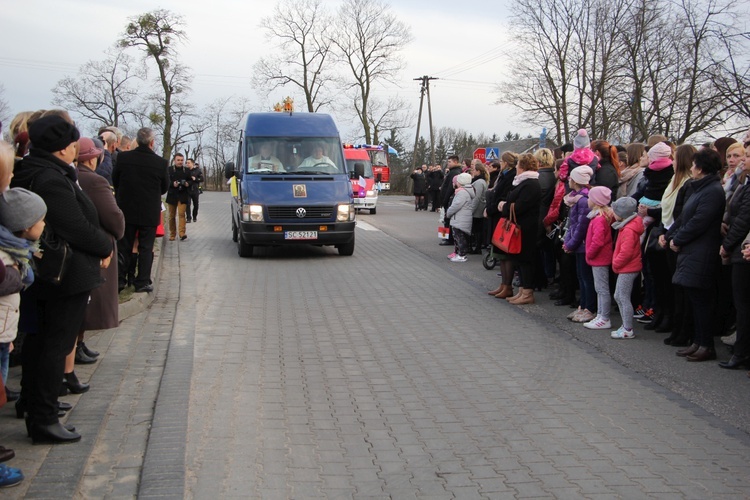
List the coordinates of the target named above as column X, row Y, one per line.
column 434, row 181
column 178, row 196
column 447, row 190
column 196, row 176
column 60, row 308
column 140, row 178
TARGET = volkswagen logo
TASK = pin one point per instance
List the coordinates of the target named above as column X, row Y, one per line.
column 301, row 212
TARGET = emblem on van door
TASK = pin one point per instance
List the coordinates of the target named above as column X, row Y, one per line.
column 301, row 212
column 300, row 190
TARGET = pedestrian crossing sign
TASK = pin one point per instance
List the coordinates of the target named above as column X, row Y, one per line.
column 491, row 154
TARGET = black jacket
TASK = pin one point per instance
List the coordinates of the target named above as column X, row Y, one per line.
column 434, row 180
column 527, row 200
column 447, row 189
column 197, row 173
column 606, row 176
column 140, row 178
column 739, row 223
column 419, row 182
column 697, row 232
column 72, row 216
column 181, row 193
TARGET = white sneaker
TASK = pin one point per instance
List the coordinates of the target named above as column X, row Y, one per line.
column 584, row 317
column 598, row 323
column 622, row 333
column 575, row 313
column 458, row 258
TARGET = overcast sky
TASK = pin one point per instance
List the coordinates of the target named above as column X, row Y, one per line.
column 42, row 41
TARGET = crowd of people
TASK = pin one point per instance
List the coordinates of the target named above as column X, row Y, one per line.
column 78, row 221
column 662, row 229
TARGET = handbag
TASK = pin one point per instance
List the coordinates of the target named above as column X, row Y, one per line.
column 507, row 234
column 53, row 258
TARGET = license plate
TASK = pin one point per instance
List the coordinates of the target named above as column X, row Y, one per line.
column 300, row 235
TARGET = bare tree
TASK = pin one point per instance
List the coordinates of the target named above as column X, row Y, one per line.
column 389, row 115
column 303, row 31
column 624, row 70
column 368, row 39
column 157, row 33
column 103, row 91
column 4, row 110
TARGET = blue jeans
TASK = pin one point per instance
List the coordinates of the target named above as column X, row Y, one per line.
column 4, row 357
column 585, row 283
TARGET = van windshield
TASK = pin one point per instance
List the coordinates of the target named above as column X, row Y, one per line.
column 300, row 155
column 351, row 167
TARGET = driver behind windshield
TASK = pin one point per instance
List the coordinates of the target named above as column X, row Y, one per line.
column 317, row 158
column 265, row 160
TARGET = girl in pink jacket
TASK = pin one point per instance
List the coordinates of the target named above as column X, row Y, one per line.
column 626, row 260
column 599, row 253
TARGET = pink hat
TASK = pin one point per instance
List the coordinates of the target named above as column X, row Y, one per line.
column 582, row 175
column 87, row 149
column 600, row 195
column 659, row 150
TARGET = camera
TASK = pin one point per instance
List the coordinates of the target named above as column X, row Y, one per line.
column 182, row 185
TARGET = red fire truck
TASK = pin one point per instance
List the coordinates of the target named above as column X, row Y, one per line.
column 364, row 187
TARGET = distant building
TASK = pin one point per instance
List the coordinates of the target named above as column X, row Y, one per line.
column 521, row 145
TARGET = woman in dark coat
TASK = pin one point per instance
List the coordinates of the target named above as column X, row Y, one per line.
column 496, row 194
column 731, row 248
column 696, row 236
column 103, row 307
column 525, row 201
column 48, row 172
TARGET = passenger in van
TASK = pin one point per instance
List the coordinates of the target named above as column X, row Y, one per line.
column 265, row 160
column 316, row 158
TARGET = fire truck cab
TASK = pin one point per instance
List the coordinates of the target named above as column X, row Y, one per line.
column 364, row 186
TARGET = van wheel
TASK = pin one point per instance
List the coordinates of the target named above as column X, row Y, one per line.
column 244, row 249
column 235, row 231
column 346, row 249
column 373, row 211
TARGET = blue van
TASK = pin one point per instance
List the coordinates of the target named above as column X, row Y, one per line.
column 291, row 184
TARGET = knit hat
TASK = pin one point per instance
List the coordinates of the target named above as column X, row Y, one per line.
column 582, row 175
column 20, row 209
column 581, row 140
column 600, row 195
column 463, row 179
column 87, row 149
column 659, row 150
column 624, row 207
column 52, row 133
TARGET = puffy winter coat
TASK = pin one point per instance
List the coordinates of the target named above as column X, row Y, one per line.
column 462, row 208
column 480, row 187
column 627, row 255
column 739, row 222
column 697, row 232
column 578, row 223
column 599, row 241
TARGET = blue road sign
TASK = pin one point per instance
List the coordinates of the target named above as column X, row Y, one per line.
column 491, row 154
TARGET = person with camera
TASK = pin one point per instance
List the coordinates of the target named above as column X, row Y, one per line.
column 180, row 183
column 196, row 176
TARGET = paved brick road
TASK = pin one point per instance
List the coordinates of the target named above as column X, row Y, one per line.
column 303, row 374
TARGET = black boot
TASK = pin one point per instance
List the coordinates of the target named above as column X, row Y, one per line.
column 89, row 352
column 665, row 326
column 55, row 433
column 71, row 382
column 82, row 358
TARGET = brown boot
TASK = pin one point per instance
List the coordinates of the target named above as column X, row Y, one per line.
column 505, row 291
column 514, row 297
column 527, row 297
column 496, row 291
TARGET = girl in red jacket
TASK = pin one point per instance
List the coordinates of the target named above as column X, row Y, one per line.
column 626, row 260
column 599, row 253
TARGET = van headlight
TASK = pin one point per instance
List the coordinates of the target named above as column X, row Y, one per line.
column 345, row 213
column 252, row 213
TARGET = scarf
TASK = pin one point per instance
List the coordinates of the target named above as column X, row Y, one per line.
column 572, row 198
column 622, row 223
column 519, row 178
column 20, row 251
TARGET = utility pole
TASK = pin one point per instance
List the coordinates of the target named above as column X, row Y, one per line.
column 425, row 88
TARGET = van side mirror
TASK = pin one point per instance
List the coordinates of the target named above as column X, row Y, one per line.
column 229, row 170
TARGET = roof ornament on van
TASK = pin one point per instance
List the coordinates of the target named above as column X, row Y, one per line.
column 285, row 106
